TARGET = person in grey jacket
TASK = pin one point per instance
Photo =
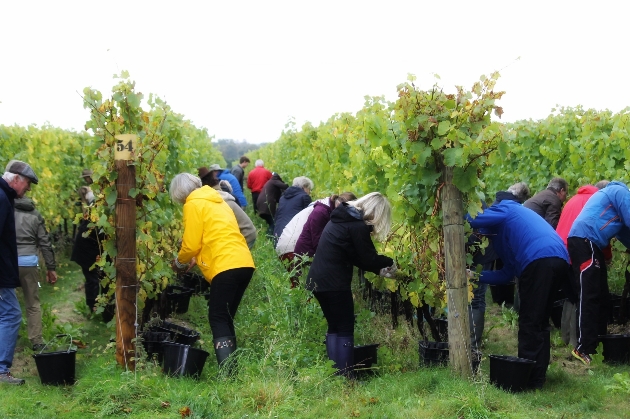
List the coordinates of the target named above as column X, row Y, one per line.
column 548, row 203
column 31, row 235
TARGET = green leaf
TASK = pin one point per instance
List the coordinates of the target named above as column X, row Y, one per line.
column 465, row 180
column 111, row 197
column 453, row 156
column 503, row 149
column 443, row 127
column 133, row 192
column 133, row 100
column 450, row 104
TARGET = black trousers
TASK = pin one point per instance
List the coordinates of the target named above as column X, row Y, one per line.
column 92, row 284
column 338, row 308
column 226, row 292
column 537, row 286
column 590, row 279
column 254, row 200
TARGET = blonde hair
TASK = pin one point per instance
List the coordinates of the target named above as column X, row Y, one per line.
column 182, row 185
column 377, row 212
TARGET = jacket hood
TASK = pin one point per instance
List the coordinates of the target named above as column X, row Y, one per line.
column 618, row 183
column 345, row 213
column 205, row 193
column 293, row 191
column 24, row 204
column 276, row 176
column 506, row 196
column 587, row 190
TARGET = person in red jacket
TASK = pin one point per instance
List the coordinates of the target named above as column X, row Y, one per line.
column 256, row 179
column 572, row 208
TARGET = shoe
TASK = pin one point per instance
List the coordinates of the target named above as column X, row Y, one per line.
column 38, row 347
column 7, row 378
column 585, row 358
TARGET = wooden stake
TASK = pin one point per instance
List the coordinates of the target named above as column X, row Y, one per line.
column 456, row 281
column 126, row 280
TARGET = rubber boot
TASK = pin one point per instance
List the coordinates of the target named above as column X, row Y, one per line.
column 331, row 347
column 477, row 321
column 344, row 356
column 223, row 348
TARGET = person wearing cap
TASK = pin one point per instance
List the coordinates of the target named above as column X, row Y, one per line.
column 256, row 179
column 224, row 174
column 15, row 182
column 31, row 236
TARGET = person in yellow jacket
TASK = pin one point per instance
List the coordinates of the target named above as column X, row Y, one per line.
column 213, row 241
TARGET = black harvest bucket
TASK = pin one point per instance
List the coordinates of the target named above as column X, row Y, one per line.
column 56, row 368
column 365, row 356
column 509, row 372
column 616, row 348
column 183, row 360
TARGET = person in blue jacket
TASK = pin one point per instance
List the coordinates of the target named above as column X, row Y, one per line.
column 531, row 250
column 605, row 215
column 224, row 174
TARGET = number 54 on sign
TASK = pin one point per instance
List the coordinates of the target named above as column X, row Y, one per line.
column 125, row 146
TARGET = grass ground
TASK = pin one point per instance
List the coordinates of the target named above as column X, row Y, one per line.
column 283, row 371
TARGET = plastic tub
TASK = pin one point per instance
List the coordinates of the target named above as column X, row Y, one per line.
column 364, row 357
column 183, row 360
column 616, row 348
column 179, row 334
column 196, row 282
column 153, row 343
column 178, row 298
column 510, row 373
column 56, row 368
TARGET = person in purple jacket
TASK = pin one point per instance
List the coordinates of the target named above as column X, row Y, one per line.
column 604, row 216
column 315, row 223
column 531, row 250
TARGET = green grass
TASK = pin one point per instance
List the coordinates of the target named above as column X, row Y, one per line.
column 283, row 371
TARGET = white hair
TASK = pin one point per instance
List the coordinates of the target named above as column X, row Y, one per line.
column 182, row 185
column 259, row 163
column 377, row 212
column 520, row 190
column 8, row 176
column 303, row 182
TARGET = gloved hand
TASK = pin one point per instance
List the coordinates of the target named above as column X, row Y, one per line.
column 389, row 271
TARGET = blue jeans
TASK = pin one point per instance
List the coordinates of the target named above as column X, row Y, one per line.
column 10, row 319
column 479, row 297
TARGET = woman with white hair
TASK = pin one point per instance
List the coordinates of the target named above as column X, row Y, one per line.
column 346, row 242
column 212, row 240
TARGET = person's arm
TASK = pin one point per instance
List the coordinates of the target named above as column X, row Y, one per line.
column 193, row 232
column 500, row 277
column 44, row 243
column 367, row 257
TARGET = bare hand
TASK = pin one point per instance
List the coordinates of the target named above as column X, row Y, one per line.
column 51, row 277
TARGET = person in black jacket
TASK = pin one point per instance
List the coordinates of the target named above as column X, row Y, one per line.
column 294, row 200
column 14, row 183
column 268, row 200
column 548, row 203
column 346, row 242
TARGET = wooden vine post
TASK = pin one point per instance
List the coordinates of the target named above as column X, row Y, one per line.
column 456, row 281
column 126, row 279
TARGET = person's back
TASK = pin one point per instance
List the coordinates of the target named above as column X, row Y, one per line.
column 294, row 200
column 605, row 215
column 548, row 203
column 572, row 209
column 257, row 178
column 519, row 236
column 236, row 188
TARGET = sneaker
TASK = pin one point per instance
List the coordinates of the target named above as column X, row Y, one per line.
column 7, row 378
column 585, row 358
column 38, row 347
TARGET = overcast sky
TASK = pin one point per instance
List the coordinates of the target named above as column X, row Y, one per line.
column 243, row 68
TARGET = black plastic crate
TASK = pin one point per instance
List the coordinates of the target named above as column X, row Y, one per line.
column 433, row 353
column 178, row 298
